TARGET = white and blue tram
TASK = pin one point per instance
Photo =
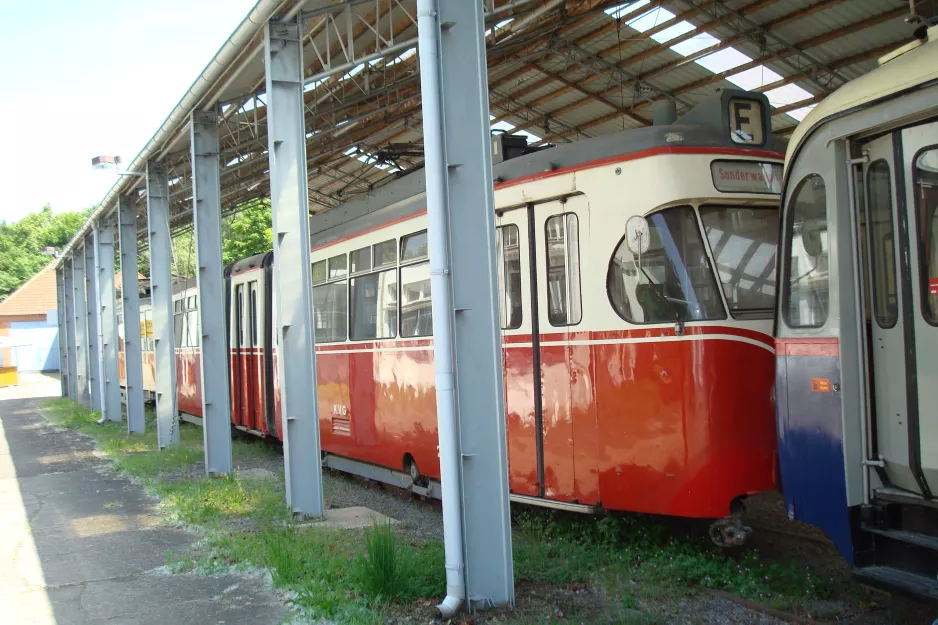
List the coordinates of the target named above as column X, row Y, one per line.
column 857, row 328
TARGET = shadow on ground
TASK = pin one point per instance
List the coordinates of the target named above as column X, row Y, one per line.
column 82, row 545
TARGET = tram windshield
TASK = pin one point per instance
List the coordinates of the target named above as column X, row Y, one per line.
column 743, row 240
column 672, row 280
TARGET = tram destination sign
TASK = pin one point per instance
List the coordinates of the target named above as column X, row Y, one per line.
column 746, row 176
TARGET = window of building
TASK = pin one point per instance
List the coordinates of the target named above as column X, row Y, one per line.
column 563, row 270
column 672, row 281
column 807, row 294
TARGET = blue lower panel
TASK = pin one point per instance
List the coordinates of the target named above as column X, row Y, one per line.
column 810, row 445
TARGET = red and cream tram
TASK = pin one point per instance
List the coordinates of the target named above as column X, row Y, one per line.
column 638, row 370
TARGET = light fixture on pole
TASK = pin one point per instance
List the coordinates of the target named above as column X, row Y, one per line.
column 111, row 162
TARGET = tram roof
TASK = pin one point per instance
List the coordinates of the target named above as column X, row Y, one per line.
column 561, row 70
column 913, row 64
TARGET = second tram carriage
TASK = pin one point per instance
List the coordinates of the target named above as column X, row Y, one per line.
column 635, row 379
column 857, row 382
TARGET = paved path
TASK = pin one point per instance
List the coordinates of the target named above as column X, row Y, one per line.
column 79, row 545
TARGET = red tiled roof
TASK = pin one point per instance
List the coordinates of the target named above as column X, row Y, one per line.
column 36, row 296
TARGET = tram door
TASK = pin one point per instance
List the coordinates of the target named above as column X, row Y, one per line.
column 899, row 220
column 514, row 261
column 247, row 370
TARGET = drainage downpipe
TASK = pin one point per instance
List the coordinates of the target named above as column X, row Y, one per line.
column 428, row 31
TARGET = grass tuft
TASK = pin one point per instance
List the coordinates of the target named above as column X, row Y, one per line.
column 383, row 568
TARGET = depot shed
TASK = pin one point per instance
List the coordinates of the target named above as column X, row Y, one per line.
column 28, row 318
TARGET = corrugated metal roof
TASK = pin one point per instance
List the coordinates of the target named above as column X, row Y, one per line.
column 571, row 72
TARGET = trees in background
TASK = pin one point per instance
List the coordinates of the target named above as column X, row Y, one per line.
column 244, row 233
column 22, row 244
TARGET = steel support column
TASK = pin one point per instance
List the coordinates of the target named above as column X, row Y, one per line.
column 293, row 290
column 466, row 332
column 92, row 312
column 79, row 308
column 60, row 309
column 206, row 199
column 107, row 320
column 70, row 334
column 161, row 298
column 130, row 305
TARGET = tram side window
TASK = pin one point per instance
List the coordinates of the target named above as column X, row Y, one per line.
column 509, row 276
column 563, row 270
column 672, row 281
column 881, row 245
column 193, row 333
column 374, row 305
column 177, row 322
column 925, row 185
column 330, row 300
column 416, row 306
column 807, row 298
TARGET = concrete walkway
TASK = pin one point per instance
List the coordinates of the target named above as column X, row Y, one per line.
column 80, row 545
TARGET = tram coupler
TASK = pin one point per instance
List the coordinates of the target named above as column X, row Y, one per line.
column 729, row 532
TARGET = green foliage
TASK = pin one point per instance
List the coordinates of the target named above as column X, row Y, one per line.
column 558, row 547
column 383, row 569
column 248, row 231
column 22, row 242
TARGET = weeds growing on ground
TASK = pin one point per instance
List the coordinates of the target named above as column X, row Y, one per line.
column 355, row 577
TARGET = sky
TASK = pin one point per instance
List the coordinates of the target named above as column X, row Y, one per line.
column 88, row 77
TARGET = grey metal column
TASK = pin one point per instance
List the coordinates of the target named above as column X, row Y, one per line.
column 206, row 198
column 293, row 289
column 68, row 283
column 62, row 338
column 161, row 297
column 107, row 301
column 130, row 306
column 466, row 331
column 81, row 327
column 93, row 311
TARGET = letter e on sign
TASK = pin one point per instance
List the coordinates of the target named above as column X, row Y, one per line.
column 820, row 385
column 745, row 118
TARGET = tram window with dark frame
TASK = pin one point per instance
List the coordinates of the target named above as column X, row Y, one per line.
column 925, row 188
column 385, row 254
column 881, row 244
column 416, row 306
column 743, row 241
column 562, row 235
column 178, row 317
column 254, row 311
column 672, row 280
column 330, row 299
column 509, row 276
column 193, row 324
column 806, row 300
column 373, row 304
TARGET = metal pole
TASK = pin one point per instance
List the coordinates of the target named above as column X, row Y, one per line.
column 130, row 305
column 70, row 362
column 110, row 374
column 469, row 388
column 293, row 289
column 92, row 311
column 206, row 198
column 81, row 326
column 62, row 338
column 161, row 297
